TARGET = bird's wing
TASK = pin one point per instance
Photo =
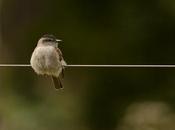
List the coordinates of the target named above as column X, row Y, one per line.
column 62, row 61
column 60, row 54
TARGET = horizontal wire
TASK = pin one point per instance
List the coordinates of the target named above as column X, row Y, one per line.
column 124, row 66
column 15, row 65
column 97, row 66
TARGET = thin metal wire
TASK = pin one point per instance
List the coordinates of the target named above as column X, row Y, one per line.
column 15, row 65
column 124, row 66
column 97, row 66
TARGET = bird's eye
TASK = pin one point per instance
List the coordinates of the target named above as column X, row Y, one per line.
column 49, row 40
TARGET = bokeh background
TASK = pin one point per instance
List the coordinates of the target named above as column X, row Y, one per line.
column 93, row 32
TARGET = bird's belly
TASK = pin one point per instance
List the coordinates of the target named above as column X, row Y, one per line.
column 45, row 60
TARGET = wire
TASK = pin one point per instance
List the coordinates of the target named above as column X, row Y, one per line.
column 97, row 66
column 124, row 66
column 15, row 65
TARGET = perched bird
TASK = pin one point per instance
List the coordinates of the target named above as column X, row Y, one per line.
column 47, row 59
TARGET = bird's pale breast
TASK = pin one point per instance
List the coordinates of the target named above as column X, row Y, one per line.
column 45, row 60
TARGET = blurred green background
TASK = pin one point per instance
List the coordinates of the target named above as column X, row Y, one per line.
column 93, row 32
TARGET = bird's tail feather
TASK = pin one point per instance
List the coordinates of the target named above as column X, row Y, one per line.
column 57, row 82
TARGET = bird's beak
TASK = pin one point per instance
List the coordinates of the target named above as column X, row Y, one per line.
column 58, row 40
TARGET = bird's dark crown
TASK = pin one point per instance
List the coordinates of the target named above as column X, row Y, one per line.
column 49, row 38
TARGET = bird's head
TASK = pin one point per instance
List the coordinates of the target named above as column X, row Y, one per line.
column 49, row 39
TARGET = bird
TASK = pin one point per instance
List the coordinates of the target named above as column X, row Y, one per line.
column 47, row 59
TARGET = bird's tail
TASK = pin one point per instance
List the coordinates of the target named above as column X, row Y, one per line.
column 57, row 83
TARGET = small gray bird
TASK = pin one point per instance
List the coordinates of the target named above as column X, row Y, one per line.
column 47, row 59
